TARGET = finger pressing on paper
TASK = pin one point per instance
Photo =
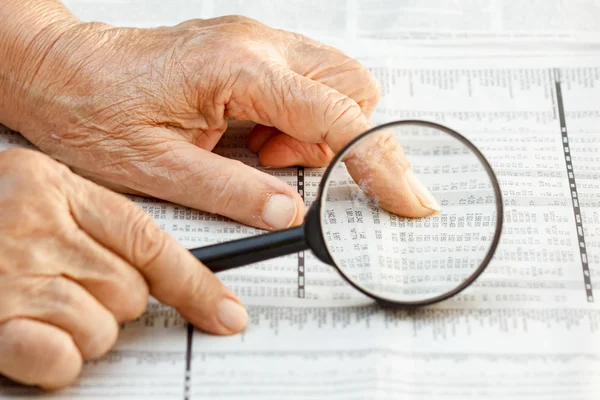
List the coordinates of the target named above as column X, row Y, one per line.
column 330, row 117
column 173, row 275
column 380, row 168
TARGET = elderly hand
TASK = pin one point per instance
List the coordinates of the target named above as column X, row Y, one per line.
column 139, row 111
column 76, row 259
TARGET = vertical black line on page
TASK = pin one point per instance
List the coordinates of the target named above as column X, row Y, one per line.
column 300, row 174
column 573, row 188
column 188, row 363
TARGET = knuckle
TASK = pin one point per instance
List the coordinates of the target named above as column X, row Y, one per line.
column 15, row 333
column 340, row 111
column 315, row 155
column 368, row 92
column 29, row 218
column 30, row 176
column 50, row 294
column 22, row 261
column 235, row 18
column 45, row 289
column 135, row 304
column 377, row 87
column 194, row 285
column 370, row 81
column 300, row 38
column 191, row 23
column 105, row 334
column 21, row 155
column 28, row 162
column 61, row 354
column 325, row 154
column 51, row 354
column 21, row 162
column 148, row 241
column 374, row 90
column 124, row 292
column 248, row 25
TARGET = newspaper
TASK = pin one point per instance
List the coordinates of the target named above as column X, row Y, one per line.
column 527, row 328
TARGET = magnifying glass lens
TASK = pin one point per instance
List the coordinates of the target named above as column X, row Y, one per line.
column 377, row 230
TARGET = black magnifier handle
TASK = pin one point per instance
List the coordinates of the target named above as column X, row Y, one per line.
column 236, row 253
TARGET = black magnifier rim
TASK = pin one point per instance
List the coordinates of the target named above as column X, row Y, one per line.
column 499, row 212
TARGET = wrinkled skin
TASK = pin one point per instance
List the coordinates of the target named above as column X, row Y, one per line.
column 139, row 111
column 76, row 259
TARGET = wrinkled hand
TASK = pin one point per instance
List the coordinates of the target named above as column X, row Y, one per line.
column 139, row 111
column 76, row 259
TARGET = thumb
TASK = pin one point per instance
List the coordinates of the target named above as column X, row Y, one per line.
column 193, row 177
column 174, row 276
column 312, row 112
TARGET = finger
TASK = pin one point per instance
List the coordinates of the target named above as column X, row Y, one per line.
column 108, row 278
column 182, row 173
column 302, row 108
column 315, row 113
column 285, row 151
column 333, row 68
column 72, row 253
column 259, row 135
column 100, row 180
column 379, row 167
column 278, row 150
column 315, row 60
column 36, row 353
column 64, row 304
column 205, row 139
column 174, row 276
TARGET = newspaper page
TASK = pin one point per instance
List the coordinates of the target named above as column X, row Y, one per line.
column 527, row 328
column 433, row 21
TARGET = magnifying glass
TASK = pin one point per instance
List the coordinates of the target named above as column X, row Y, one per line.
column 356, row 225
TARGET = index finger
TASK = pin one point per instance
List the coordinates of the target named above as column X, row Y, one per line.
column 174, row 276
column 315, row 113
column 380, row 168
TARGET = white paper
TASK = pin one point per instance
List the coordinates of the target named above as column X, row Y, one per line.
column 420, row 21
column 527, row 328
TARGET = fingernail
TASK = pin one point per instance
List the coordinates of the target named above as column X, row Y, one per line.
column 233, row 315
column 423, row 194
column 280, row 211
